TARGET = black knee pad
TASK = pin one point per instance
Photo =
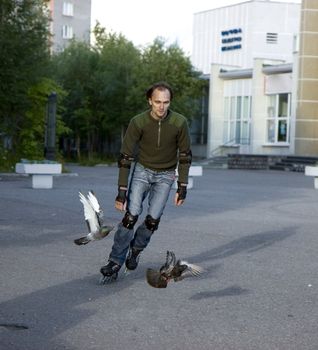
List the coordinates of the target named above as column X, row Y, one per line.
column 151, row 223
column 129, row 220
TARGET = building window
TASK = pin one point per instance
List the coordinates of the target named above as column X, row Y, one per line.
column 296, row 43
column 68, row 9
column 237, row 116
column 271, row 38
column 278, row 117
column 67, row 32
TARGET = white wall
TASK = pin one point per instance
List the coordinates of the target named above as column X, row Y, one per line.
column 254, row 19
column 258, row 87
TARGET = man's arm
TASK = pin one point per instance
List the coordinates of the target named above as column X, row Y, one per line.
column 124, row 164
column 184, row 163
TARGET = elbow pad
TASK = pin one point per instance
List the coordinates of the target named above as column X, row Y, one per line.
column 124, row 160
column 185, row 157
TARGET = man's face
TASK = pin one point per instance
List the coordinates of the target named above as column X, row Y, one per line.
column 160, row 102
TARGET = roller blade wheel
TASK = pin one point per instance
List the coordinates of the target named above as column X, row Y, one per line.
column 109, row 272
column 108, row 279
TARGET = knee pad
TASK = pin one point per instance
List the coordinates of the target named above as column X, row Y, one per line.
column 129, row 220
column 151, row 223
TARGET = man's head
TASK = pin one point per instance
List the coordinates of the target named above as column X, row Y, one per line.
column 159, row 96
column 162, row 85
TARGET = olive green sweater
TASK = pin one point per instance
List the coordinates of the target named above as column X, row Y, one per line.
column 158, row 144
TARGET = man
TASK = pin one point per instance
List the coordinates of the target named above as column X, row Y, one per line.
column 163, row 141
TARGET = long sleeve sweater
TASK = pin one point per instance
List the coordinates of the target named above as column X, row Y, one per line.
column 158, row 144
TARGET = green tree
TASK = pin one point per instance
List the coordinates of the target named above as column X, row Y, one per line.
column 169, row 63
column 115, row 77
column 32, row 136
column 97, row 80
column 24, row 57
column 74, row 69
column 106, row 86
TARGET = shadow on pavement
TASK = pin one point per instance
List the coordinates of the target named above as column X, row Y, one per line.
column 250, row 244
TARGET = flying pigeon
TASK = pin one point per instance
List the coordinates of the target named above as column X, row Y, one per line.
column 173, row 269
column 94, row 218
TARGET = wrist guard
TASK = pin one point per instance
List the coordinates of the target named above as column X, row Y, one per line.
column 182, row 191
column 121, row 196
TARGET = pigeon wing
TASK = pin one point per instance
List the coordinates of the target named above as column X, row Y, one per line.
column 96, row 206
column 93, row 201
column 169, row 264
column 89, row 214
column 191, row 270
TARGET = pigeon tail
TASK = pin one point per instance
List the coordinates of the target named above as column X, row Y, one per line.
column 101, row 233
column 82, row 241
column 94, row 236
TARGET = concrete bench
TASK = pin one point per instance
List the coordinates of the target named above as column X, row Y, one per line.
column 42, row 173
column 195, row 170
column 312, row 171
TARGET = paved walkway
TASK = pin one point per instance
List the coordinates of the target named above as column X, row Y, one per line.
column 255, row 232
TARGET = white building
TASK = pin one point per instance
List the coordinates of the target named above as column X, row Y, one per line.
column 234, row 35
column 247, row 51
column 251, row 109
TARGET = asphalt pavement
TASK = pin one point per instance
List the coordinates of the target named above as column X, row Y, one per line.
column 254, row 232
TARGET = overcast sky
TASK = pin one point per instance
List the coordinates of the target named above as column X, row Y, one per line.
column 141, row 21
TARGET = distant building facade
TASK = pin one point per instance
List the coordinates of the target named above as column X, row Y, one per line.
column 235, row 35
column 249, row 53
column 70, row 19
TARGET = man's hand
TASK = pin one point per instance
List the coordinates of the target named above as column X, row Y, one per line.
column 121, row 199
column 181, row 194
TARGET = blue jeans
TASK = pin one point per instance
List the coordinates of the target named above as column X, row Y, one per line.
column 144, row 182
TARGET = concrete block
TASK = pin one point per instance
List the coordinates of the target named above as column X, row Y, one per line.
column 42, row 173
column 312, row 171
column 195, row 170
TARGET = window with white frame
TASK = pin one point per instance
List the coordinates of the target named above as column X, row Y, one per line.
column 67, row 32
column 237, row 117
column 68, row 9
column 278, row 118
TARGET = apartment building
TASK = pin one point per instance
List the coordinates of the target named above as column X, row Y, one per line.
column 70, row 19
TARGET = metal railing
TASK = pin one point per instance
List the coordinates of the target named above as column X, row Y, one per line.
column 231, row 143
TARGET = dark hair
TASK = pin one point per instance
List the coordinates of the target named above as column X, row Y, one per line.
column 161, row 85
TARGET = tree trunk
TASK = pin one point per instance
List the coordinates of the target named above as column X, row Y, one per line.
column 78, row 146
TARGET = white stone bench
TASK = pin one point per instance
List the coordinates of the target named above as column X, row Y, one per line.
column 42, row 173
column 312, row 171
column 195, row 170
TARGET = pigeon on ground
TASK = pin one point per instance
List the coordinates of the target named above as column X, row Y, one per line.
column 94, row 218
column 173, row 269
